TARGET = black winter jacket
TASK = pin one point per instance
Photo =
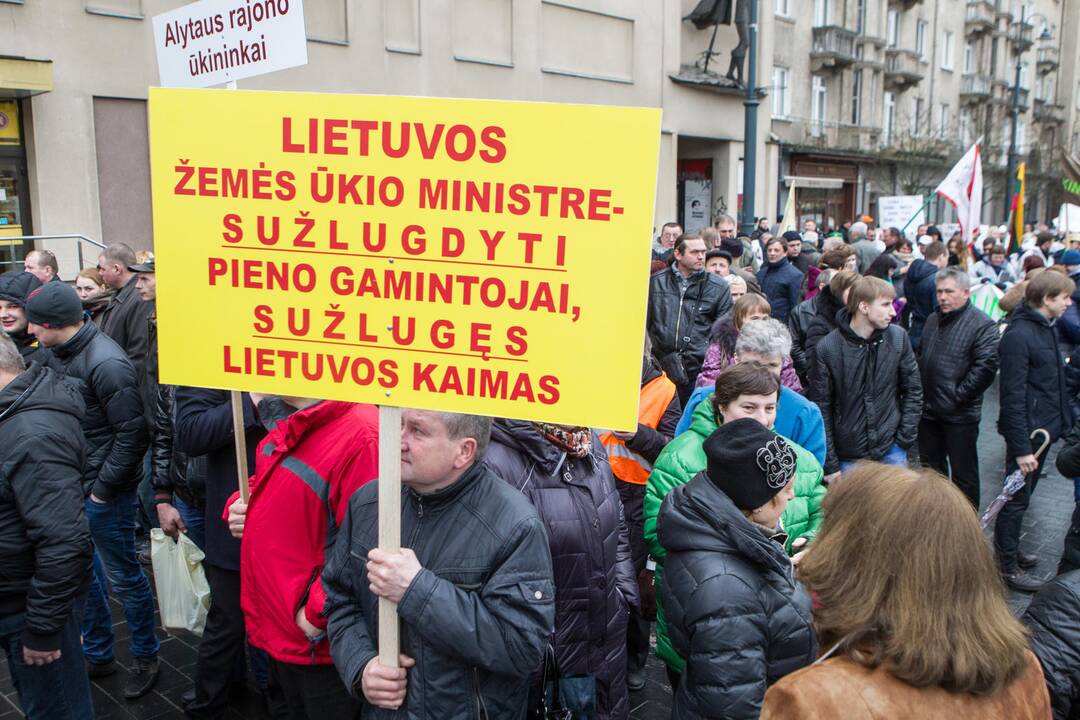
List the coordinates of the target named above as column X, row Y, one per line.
column 826, row 313
column 116, row 437
column 476, row 618
column 124, row 319
column 1033, row 391
column 204, row 426
column 681, row 322
column 595, row 582
column 782, row 284
column 802, row 315
column 920, row 289
column 957, row 361
column 173, row 471
column 1053, row 617
column 868, row 391
column 734, row 609
column 45, row 549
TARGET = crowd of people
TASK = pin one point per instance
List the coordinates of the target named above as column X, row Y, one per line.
column 796, row 510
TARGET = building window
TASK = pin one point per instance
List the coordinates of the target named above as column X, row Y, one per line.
column 943, row 119
column 818, row 105
column 917, row 121
column 856, row 97
column 860, row 17
column 1024, row 76
column 963, row 127
column 969, row 58
column 781, row 92
column 920, row 39
column 783, row 8
column 892, row 28
column 947, row 50
column 821, row 13
column 1020, row 144
column 888, row 117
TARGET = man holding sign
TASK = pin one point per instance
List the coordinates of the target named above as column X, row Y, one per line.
column 473, row 585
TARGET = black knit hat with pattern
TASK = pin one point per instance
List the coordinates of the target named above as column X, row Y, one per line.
column 748, row 462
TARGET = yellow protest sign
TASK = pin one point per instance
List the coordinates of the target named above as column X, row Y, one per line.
column 470, row 256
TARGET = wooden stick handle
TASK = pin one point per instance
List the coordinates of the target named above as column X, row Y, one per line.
column 389, row 522
column 240, row 436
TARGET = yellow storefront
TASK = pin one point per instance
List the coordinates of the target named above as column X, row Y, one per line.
column 20, row 78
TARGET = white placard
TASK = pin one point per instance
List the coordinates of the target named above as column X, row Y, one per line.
column 697, row 205
column 218, row 41
column 896, row 210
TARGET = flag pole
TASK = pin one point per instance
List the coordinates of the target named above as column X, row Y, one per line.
column 929, row 199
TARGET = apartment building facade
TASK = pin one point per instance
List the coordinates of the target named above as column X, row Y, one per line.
column 859, row 98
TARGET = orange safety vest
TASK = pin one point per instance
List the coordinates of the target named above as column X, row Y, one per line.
column 626, row 464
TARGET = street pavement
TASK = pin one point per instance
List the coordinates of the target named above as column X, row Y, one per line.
column 1044, row 530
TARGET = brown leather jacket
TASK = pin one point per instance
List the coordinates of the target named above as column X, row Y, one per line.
column 840, row 688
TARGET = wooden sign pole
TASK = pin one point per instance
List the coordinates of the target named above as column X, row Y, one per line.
column 389, row 522
column 237, row 400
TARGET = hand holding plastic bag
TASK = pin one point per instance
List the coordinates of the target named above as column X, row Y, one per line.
column 182, row 591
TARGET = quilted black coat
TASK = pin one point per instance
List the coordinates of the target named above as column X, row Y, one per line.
column 595, row 582
column 958, row 361
column 1054, row 620
column 734, row 609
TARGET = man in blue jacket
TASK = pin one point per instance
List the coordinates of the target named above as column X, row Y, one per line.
column 920, row 288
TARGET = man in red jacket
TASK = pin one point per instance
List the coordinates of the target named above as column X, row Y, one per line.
column 306, row 470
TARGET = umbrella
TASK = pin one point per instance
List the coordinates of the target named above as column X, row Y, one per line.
column 1013, row 484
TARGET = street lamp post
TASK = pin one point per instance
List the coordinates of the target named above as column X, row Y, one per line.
column 750, row 130
column 1014, row 130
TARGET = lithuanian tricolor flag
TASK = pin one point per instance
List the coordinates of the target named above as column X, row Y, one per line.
column 1017, row 208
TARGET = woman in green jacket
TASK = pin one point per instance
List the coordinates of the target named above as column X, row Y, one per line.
column 748, row 389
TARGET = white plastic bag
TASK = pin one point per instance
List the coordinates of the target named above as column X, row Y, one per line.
column 182, row 591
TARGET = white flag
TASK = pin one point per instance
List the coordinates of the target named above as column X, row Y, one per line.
column 963, row 188
column 790, row 221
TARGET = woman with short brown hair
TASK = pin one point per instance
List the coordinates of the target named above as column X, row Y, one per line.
column 911, row 606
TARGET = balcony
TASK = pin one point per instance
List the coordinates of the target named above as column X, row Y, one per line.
column 1048, row 113
column 834, row 47
column 844, row 137
column 1047, row 61
column 975, row 88
column 979, row 18
column 902, row 68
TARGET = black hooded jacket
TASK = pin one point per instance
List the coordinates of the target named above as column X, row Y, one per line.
column 115, row 431
column 734, row 609
column 1032, row 391
column 920, row 289
column 45, row 549
column 826, row 310
column 869, row 392
column 595, row 582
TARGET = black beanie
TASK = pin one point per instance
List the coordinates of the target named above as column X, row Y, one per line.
column 732, row 245
column 748, row 462
column 16, row 286
column 54, row 305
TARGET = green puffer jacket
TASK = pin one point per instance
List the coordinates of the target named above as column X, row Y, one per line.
column 680, row 461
